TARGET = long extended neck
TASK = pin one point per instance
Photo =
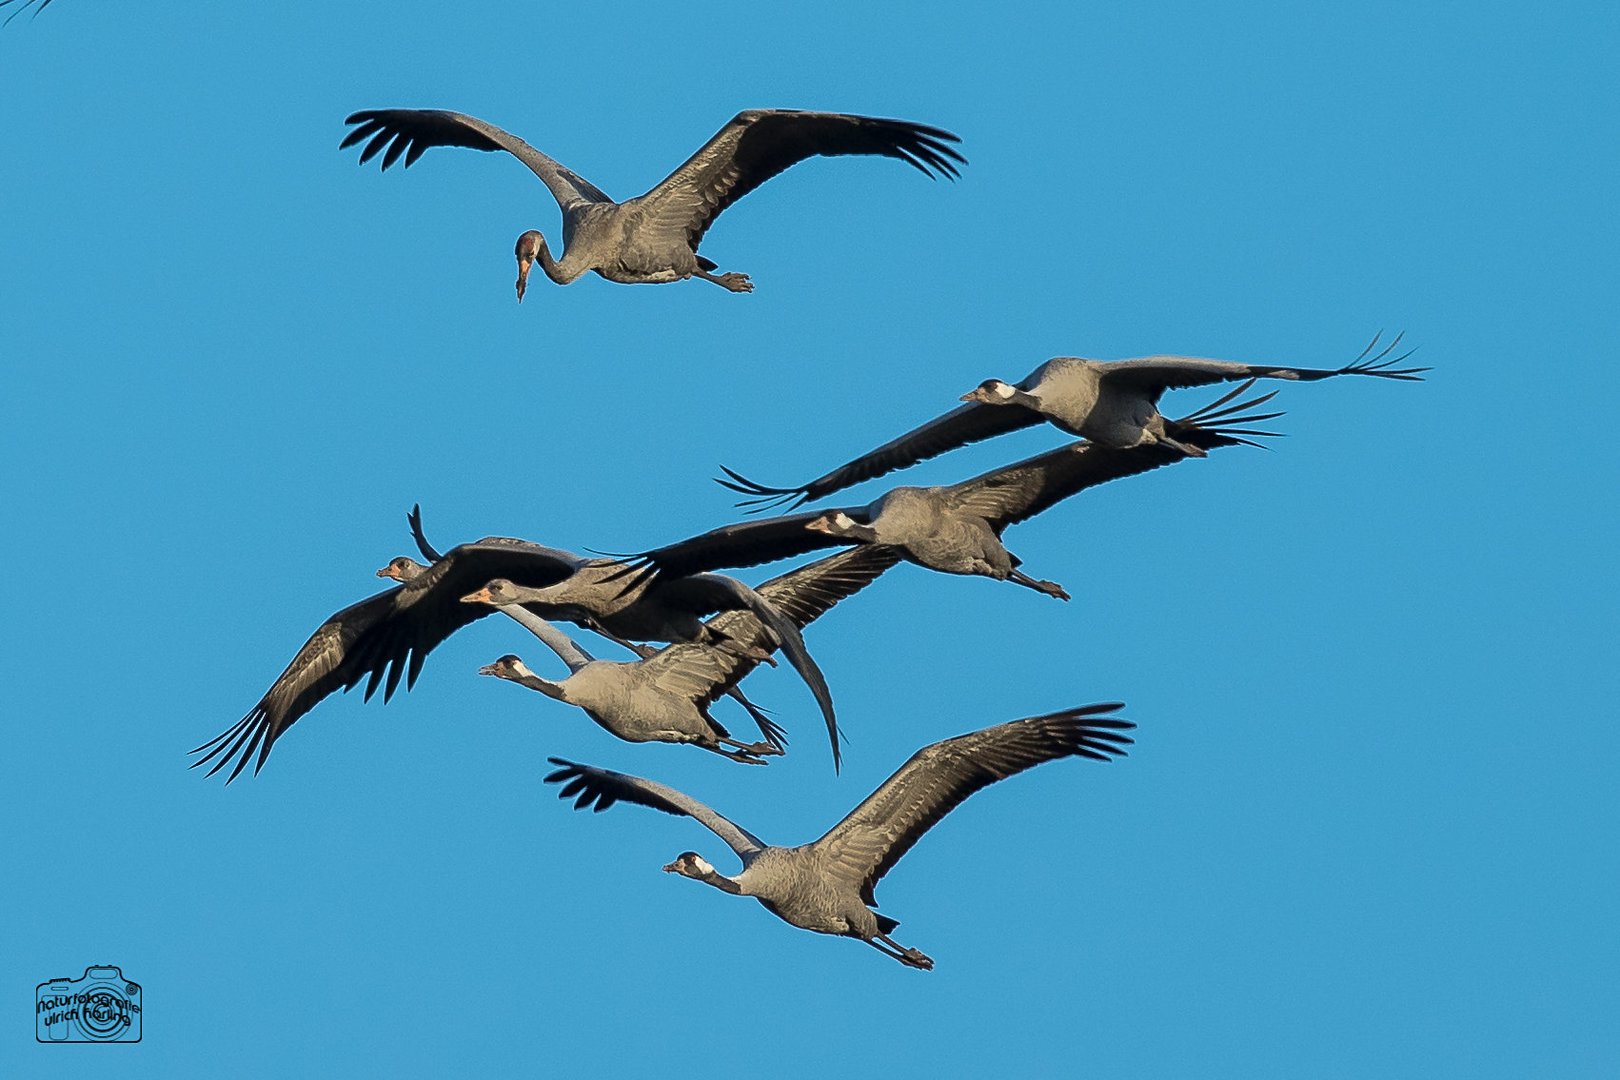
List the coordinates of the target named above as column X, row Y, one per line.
column 543, row 686
column 1027, row 400
column 864, row 534
column 563, row 271
column 719, row 881
column 852, row 530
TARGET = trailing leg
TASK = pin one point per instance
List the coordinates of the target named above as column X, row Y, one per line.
column 907, row 956
column 1050, row 588
column 734, row 282
column 759, row 748
column 745, row 756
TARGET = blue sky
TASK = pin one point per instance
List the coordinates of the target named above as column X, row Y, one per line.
column 1369, row 826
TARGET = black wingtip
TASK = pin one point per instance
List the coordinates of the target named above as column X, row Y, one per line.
column 565, row 769
column 621, row 555
column 761, row 498
column 238, row 744
column 414, row 520
column 639, row 573
column 1382, row 363
column 43, row 4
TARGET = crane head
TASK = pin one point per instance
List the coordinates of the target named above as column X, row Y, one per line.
column 991, row 392
column 403, row 568
column 528, row 249
column 507, row 667
column 495, row 593
column 690, row 864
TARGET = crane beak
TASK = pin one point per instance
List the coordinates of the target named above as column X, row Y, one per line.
column 669, row 868
column 524, row 265
column 820, row 525
column 480, row 597
column 976, row 394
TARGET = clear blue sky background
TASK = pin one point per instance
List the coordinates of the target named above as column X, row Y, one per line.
column 1370, row 824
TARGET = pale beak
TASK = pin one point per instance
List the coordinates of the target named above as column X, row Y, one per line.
column 490, row 669
column 523, row 277
column 820, row 525
column 669, row 868
column 387, row 571
column 976, row 394
column 482, row 596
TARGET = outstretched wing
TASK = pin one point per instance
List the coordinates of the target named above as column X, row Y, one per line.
column 806, row 593
column 966, row 424
column 703, row 672
column 1018, row 492
column 601, row 788
column 430, row 608
column 760, row 143
column 745, row 543
column 1155, row 374
column 383, row 638
column 411, row 132
column 720, row 591
column 566, row 648
column 323, row 665
column 937, row 778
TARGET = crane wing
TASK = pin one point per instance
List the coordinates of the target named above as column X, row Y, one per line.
column 937, row 778
column 1018, row 492
column 325, row 663
column 411, row 132
column 567, row 650
column 1155, row 374
column 704, row 672
column 601, row 788
column 384, row 637
column 761, row 143
column 966, row 424
column 743, row 543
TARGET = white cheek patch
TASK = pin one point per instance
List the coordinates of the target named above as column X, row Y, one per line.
column 1002, row 391
column 843, row 521
column 702, row 864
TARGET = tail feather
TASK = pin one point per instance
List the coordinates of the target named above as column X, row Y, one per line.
column 1225, row 422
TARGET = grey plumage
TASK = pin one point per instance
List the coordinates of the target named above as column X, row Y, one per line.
column 654, row 238
column 380, row 639
column 1113, row 402
column 956, row 528
column 666, row 695
column 387, row 637
column 827, row 886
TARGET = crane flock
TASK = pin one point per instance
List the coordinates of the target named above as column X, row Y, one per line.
column 692, row 635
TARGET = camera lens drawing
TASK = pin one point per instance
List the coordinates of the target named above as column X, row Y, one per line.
column 104, row 1014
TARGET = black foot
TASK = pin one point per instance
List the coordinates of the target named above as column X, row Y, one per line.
column 763, row 749
column 1052, row 588
column 913, row 958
